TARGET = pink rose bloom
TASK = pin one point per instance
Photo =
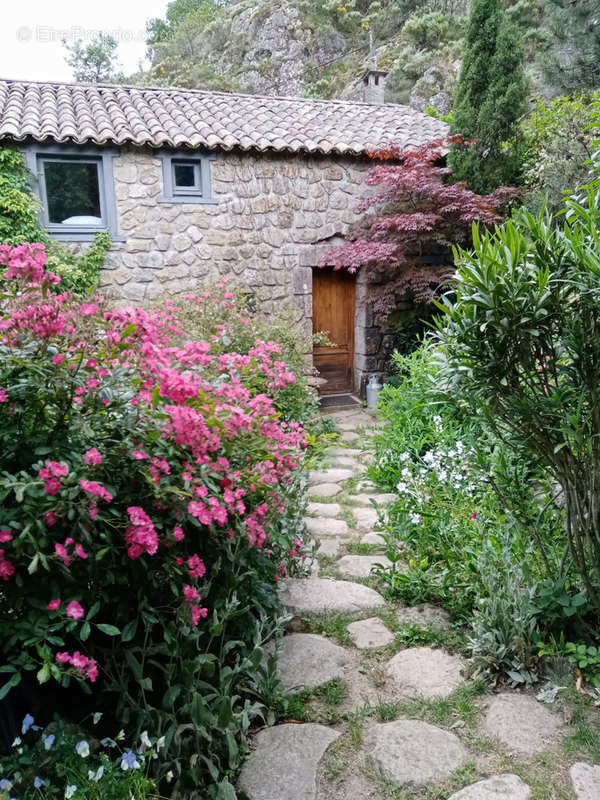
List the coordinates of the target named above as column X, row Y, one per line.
column 196, row 567
column 139, row 455
column 178, row 534
column 52, row 486
column 63, row 658
column 6, row 568
column 93, row 512
column 92, row 456
column 50, row 518
column 56, row 469
column 80, row 551
column 88, row 309
column 2, row 396
column 96, row 489
column 198, row 614
column 53, row 605
column 58, row 358
column 74, row 610
column 5, row 536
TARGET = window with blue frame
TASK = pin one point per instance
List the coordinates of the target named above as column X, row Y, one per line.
column 186, row 178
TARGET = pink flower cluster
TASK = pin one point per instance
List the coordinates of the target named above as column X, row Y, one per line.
column 6, row 568
column 86, row 667
column 26, row 262
column 91, row 487
column 51, row 475
column 192, row 598
column 63, row 553
column 140, row 536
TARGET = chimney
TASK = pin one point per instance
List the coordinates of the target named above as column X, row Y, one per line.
column 374, row 85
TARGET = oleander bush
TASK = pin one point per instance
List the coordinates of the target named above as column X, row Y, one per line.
column 149, row 501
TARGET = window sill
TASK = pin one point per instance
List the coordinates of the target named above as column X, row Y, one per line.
column 83, row 236
column 191, row 199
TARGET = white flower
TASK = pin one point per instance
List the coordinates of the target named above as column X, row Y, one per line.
column 404, row 457
column 405, row 473
column 402, row 487
column 169, row 776
column 160, row 743
column 70, row 791
column 442, row 475
column 144, row 740
column 429, row 457
column 82, row 748
column 97, row 717
column 437, row 421
column 415, row 518
column 16, row 742
column 95, row 776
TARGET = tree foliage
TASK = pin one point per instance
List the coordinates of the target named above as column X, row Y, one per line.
column 571, row 58
column 95, row 62
column 521, row 346
column 490, row 100
column 413, row 220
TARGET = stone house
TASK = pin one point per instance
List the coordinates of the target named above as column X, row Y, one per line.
column 192, row 185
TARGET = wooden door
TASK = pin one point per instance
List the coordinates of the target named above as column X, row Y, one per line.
column 333, row 311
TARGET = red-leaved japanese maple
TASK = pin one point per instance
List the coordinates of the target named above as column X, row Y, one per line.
column 411, row 223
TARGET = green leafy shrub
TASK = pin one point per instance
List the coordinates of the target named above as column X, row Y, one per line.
column 150, row 499
column 63, row 762
column 521, row 348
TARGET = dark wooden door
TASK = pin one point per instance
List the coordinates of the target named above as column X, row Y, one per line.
column 333, row 311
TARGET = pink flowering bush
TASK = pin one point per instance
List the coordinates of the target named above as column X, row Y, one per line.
column 149, row 502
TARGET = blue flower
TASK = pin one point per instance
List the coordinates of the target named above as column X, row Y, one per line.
column 48, row 741
column 28, row 723
column 70, row 790
column 38, row 782
column 108, row 742
column 129, row 760
column 5, row 784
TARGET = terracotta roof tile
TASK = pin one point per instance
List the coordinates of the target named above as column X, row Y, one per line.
column 157, row 117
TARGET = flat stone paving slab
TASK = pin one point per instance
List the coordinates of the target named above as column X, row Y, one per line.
column 329, row 547
column 425, row 615
column 306, row 660
column 324, row 490
column 368, row 633
column 360, row 566
column 585, row 779
column 332, row 475
column 323, row 595
column 324, row 509
column 325, row 527
column 381, row 498
column 349, row 436
column 522, row 724
column 373, row 538
column 365, row 517
column 425, row 672
column 498, row 787
column 342, row 451
column 284, row 762
column 411, row 752
column 346, row 462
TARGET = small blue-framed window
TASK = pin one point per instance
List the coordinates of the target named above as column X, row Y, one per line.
column 75, row 189
column 186, row 178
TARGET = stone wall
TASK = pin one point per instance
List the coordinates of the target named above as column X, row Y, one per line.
column 272, row 217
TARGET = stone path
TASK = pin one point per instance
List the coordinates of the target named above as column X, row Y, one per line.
column 344, row 635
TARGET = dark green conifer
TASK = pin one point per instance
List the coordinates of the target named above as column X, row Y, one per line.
column 490, row 99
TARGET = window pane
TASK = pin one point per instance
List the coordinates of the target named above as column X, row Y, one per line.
column 72, row 192
column 185, row 175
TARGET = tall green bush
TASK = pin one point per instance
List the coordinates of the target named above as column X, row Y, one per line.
column 490, row 99
column 521, row 345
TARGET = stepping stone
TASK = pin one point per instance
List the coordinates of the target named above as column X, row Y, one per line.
column 349, row 436
column 346, row 462
column 365, row 518
column 324, row 490
column 585, row 779
column 360, row 566
column 325, row 527
column 367, row 633
column 366, row 487
column 342, row 451
column 410, row 752
column 353, row 423
column 522, row 724
column 425, row 615
column 498, row 787
column 373, row 538
column 324, row 509
column 382, row 499
column 329, row 547
column 317, row 476
column 425, row 672
column 323, row 595
column 306, row 661
column 284, row 762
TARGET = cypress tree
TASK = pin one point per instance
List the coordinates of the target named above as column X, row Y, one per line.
column 490, row 99
column 571, row 61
